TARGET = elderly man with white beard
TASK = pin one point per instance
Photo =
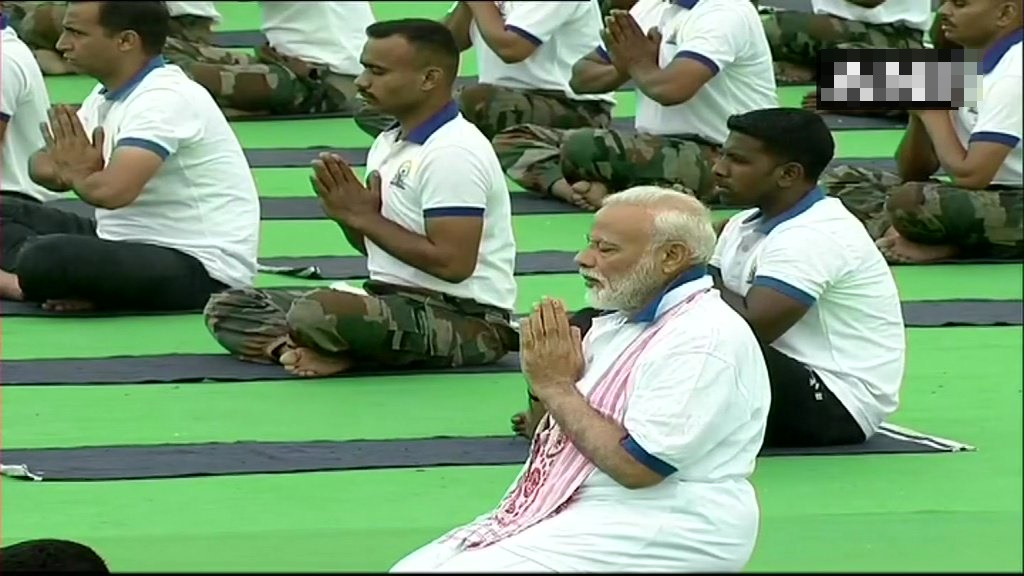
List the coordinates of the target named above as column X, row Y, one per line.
column 652, row 421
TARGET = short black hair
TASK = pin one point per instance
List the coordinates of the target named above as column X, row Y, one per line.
column 791, row 134
column 428, row 36
column 51, row 555
column 149, row 19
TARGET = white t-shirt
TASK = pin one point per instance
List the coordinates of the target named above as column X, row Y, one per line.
column 23, row 106
column 916, row 14
column 328, row 34
column 563, row 32
column 201, row 9
column 997, row 116
column 445, row 167
column 852, row 336
column 728, row 37
column 203, row 200
column 696, row 414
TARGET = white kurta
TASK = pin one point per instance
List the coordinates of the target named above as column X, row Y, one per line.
column 697, row 410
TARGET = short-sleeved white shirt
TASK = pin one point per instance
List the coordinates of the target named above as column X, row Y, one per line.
column 202, row 9
column 998, row 116
column 23, row 106
column 726, row 36
column 818, row 253
column 445, row 167
column 203, row 200
column 330, row 34
column 563, row 32
column 695, row 414
column 916, row 14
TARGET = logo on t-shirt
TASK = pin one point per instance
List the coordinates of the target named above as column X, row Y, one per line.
column 401, row 178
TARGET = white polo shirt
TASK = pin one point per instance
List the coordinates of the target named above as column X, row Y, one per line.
column 695, row 414
column 203, row 200
column 916, row 14
column 563, row 32
column 819, row 254
column 330, row 34
column 998, row 117
column 23, row 106
column 725, row 35
column 201, row 9
column 445, row 167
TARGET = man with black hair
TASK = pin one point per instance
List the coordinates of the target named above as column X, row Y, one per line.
column 177, row 212
column 51, row 555
column 979, row 211
column 807, row 277
column 434, row 220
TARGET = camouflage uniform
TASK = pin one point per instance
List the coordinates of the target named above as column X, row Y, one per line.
column 536, row 157
column 984, row 223
column 797, row 37
column 39, row 24
column 391, row 327
column 495, row 108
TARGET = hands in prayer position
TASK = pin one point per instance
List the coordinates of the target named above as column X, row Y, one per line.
column 626, row 42
column 74, row 156
column 551, row 350
column 344, row 198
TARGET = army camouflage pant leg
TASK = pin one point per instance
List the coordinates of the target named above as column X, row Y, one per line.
column 495, row 108
column 393, row 330
column 797, row 37
column 984, row 223
column 536, row 157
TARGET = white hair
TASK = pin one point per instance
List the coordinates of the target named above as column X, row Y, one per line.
column 677, row 217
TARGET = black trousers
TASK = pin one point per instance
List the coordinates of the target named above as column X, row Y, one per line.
column 804, row 413
column 57, row 256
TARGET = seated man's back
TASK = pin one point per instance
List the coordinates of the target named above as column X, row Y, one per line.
column 809, row 279
column 23, row 108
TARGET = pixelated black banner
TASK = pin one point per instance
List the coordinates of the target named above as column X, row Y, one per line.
column 897, row 79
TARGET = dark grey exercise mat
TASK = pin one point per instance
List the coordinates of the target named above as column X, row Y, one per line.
column 240, row 458
column 11, row 308
column 308, row 208
column 300, row 157
column 185, row 369
column 239, row 39
column 527, row 263
column 964, row 313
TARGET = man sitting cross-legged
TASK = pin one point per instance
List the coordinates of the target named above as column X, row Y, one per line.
column 525, row 52
column 434, row 221
column 803, row 271
column 707, row 60
column 654, row 419
column 979, row 211
column 177, row 212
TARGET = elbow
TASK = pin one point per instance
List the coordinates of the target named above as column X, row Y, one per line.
column 669, row 96
column 454, row 270
column 511, row 55
column 110, row 197
column 638, row 477
column 972, row 181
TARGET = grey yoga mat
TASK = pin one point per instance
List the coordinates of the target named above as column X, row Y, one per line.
column 308, row 207
column 200, row 368
column 527, row 263
column 239, row 458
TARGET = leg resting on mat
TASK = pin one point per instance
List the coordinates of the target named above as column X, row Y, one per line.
column 249, row 323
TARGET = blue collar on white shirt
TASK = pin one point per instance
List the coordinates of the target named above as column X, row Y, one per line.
column 123, row 92
column 3, row 21
column 994, row 54
column 688, row 4
column 804, row 204
column 420, row 134
column 687, row 283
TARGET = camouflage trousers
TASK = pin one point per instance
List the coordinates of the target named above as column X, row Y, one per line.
column 983, row 223
column 536, row 157
column 797, row 37
column 390, row 327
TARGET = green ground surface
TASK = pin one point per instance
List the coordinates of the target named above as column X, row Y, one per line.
column 921, row 513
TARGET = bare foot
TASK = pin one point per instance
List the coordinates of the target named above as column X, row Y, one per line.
column 67, row 305
column 787, row 73
column 591, row 194
column 10, row 289
column 523, row 425
column 564, row 192
column 899, row 250
column 308, row 363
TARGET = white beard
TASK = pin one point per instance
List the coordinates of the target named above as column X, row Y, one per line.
column 628, row 293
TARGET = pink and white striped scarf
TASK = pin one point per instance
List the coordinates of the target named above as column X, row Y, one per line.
column 556, row 468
